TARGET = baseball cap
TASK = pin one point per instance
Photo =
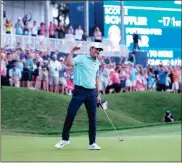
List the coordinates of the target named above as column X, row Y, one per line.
column 61, row 59
column 97, row 45
column 54, row 56
column 111, row 70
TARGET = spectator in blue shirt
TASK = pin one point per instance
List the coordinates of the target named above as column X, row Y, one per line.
column 19, row 27
column 28, row 70
column 162, row 77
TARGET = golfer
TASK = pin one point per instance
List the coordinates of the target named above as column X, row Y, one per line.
column 86, row 91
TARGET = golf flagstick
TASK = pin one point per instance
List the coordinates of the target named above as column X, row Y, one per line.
column 120, row 138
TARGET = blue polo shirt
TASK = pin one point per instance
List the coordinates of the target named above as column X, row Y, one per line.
column 85, row 71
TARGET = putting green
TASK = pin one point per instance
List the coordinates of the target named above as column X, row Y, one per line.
column 162, row 143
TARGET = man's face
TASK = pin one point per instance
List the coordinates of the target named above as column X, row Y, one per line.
column 62, row 61
column 94, row 52
column 18, row 51
column 54, row 58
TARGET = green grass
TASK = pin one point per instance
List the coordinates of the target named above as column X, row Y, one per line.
column 160, row 143
column 30, row 111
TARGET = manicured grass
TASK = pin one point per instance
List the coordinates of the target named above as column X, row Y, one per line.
column 160, row 143
column 31, row 111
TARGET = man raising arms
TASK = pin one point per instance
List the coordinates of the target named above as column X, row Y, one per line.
column 86, row 81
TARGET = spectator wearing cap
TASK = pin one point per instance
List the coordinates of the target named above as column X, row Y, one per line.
column 78, row 33
column 19, row 27
column 14, row 76
column 54, row 68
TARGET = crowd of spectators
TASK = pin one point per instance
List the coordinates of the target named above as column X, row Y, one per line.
column 23, row 27
column 36, row 69
column 46, row 70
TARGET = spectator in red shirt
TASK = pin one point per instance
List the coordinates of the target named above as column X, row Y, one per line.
column 42, row 29
column 115, row 81
column 70, row 86
column 52, row 29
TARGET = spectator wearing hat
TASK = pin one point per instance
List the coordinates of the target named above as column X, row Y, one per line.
column 19, row 27
column 54, row 68
column 14, row 76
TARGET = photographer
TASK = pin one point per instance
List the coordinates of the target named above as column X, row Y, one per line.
column 168, row 117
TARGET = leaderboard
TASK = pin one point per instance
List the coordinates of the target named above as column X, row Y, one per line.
column 157, row 22
column 159, row 27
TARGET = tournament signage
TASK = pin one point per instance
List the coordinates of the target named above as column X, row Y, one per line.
column 157, row 23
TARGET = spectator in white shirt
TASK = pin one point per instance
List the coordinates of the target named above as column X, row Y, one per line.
column 54, row 68
column 78, row 33
column 15, row 76
column 35, row 29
